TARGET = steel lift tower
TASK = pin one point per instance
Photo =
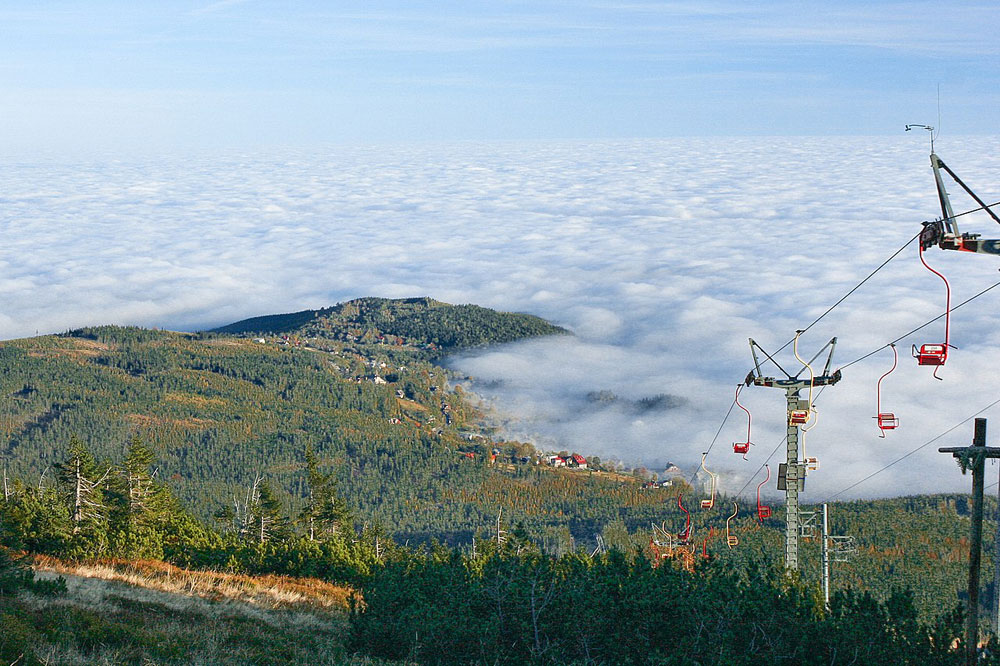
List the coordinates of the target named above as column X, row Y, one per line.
column 792, row 473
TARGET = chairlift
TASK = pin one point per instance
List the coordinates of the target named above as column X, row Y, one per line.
column 704, row 544
column 763, row 511
column 812, row 464
column 742, row 447
column 798, row 417
column 885, row 420
column 802, row 416
column 710, row 502
column 661, row 543
column 684, row 536
column 935, row 354
column 931, row 354
column 794, row 415
column 731, row 539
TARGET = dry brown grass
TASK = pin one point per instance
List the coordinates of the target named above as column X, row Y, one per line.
column 194, row 399
column 155, row 423
column 74, row 348
column 231, row 342
column 271, row 592
column 409, row 404
column 152, row 613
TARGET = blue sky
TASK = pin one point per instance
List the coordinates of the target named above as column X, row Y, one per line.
column 244, row 73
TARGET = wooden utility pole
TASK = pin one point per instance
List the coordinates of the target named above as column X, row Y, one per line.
column 975, row 457
column 996, row 573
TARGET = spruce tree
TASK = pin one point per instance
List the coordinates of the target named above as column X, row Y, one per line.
column 83, row 484
column 325, row 513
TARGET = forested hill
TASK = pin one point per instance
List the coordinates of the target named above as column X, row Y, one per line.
column 220, row 411
column 414, row 322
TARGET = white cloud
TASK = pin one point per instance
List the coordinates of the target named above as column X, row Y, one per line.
column 663, row 256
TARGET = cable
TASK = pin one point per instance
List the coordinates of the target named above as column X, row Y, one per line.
column 841, row 300
column 717, row 433
column 853, row 289
column 974, row 210
column 757, row 471
column 814, row 322
column 771, row 455
column 907, row 455
column 857, row 360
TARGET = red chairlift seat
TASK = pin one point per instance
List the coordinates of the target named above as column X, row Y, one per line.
column 887, row 421
column 798, row 417
column 741, row 447
column 931, row 354
column 763, row 511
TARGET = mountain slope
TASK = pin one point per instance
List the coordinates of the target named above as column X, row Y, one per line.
column 405, row 447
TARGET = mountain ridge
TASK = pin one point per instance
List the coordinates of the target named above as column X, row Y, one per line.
column 414, row 322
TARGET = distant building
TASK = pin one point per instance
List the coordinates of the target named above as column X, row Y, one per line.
column 576, row 460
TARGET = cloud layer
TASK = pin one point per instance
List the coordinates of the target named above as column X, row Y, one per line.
column 662, row 256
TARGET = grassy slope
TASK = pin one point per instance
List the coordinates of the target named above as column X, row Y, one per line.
column 143, row 613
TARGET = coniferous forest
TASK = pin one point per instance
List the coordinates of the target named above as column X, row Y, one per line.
column 331, row 445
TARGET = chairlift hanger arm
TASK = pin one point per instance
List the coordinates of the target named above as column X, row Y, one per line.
column 826, row 368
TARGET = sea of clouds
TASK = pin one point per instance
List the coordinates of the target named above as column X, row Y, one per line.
column 663, row 257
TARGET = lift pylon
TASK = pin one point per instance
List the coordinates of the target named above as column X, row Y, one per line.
column 792, row 473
